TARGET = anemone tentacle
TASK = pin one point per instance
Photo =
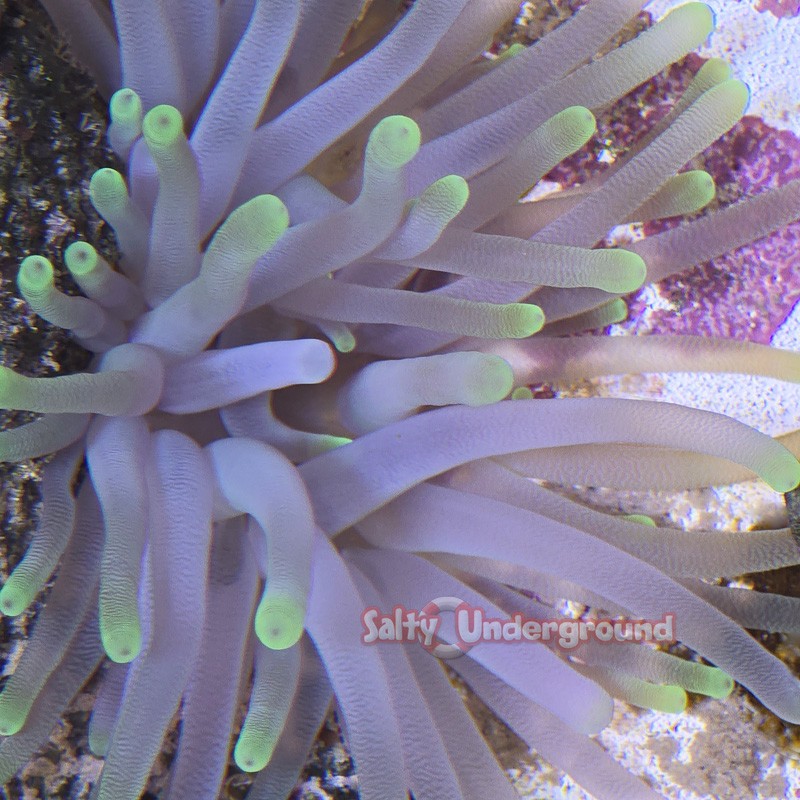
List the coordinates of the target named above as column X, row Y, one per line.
column 353, row 185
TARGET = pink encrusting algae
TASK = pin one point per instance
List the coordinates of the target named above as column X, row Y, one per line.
column 779, row 8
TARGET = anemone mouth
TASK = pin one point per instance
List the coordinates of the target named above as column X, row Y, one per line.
column 308, row 398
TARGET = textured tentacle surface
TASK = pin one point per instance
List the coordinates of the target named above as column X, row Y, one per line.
column 329, row 396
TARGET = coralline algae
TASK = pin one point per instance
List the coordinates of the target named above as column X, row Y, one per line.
column 749, row 293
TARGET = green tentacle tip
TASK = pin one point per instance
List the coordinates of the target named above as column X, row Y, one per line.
column 394, row 141
column 720, row 684
column 698, row 16
column 783, row 474
column 35, row 275
column 575, row 125
column 279, row 622
column 98, row 742
column 735, row 93
column 509, row 52
column 125, row 107
column 704, row 183
column 450, row 194
column 630, row 274
column 261, row 221
column 672, row 700
column 252, row 752
column 494, row 381
column 331, row 442
column 695, row 189
column 80, row 258
column 522, row 319
column 522, row 393
column 13, row 713
column 642, row 519
column 343, row 345
column 122, row 641
column 107, row 187
column 339, row 335
column 162, row 126
column 617, row 311
column 715, row 70
column 15, row 597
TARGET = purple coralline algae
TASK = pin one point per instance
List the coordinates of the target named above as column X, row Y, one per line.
column 779, row 8
column 745, row 294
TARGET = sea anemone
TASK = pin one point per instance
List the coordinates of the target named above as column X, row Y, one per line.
column 307, row 396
